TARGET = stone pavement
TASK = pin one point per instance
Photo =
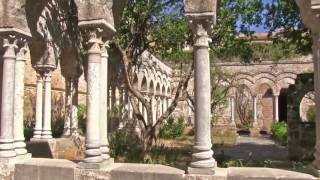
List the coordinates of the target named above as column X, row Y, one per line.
column 254, row 148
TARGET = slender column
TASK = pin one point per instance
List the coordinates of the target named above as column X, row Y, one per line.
column 232, row 110
column 46, row 131
column 6, row 133
column 92, row 152
column 68, row 106
column 19, row 144
column 39, row 105
column 276, row 108
column 254, row 109
column 74, row 107
column 202, row 152
column 153, row 105
column 316, row 61
column 104, row 103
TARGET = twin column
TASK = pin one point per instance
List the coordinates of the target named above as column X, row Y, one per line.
column 96, row 132
column 11, row 133
column 42, row 128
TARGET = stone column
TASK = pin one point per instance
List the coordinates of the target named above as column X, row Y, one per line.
column 39, row 105
column 68, row 106
column 153, row 105
column 104, row 103
column 6, row 133
column 254, row 108
column 232, row 109
column 74, row 107
column 92, row 152
column 316, row 61
column 202, row 155
column 22, row 56
column 46, row 131
column 276, row 107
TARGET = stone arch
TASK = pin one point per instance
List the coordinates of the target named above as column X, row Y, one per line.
column 144, row 85
column 158, row 91
column 163, row 91
column 151, row 87
column 265, row 105
column 300, row 132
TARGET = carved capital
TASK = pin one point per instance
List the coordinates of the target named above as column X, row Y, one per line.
column 23, row 51
column 39, row 76
column 10, row 44
column 200, row 29
column 47, row 74
column 104, row 50
column 93, row 40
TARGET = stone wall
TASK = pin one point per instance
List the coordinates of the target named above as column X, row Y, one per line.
column 301, row 135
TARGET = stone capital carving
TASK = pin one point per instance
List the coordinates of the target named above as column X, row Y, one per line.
column 104, row 50
column 23, row 51
column 200, row 29
column 10, row 44
column 47, row 74
column 93, row 40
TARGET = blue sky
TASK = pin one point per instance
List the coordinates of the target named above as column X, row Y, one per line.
column 261, row 28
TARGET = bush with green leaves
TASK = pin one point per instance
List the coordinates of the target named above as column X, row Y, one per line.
column 82, row 110
column 311, row 114
column 279, row 132
column 172, row 129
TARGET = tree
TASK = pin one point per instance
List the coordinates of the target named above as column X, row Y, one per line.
column 283, row 17
column 148, row 25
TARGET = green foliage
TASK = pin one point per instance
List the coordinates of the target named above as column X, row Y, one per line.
column 284, row 15
column 121, row 146
column 57, row 127
column 172, row 129
column 279, row 132
column 245, row 125
column 82, row 110
column 311, row 114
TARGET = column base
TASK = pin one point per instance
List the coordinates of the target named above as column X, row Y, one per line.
column 204, row 171
column 16, row 159
column 103, row 164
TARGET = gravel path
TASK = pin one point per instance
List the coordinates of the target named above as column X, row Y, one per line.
column 254, row 148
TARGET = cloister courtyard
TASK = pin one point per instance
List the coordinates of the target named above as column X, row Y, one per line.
column 150, row 90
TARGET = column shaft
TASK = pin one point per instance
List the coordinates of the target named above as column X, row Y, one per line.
column 104, row 104
column 74, row 107
column 39, row 105
column 232, row 109
column 20, row 145
column 202, row 152
column 276, row 108
column 46, row 131
column 254, row 110
column 92, row 152
column 68, row 106
column 6, row 133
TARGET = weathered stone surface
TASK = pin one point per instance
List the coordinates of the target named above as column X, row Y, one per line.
column 48, row 169
column 200, row 6
column 13, row 15
column 265, row 174
column 145, row 172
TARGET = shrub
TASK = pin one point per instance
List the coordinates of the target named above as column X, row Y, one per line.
column 122, row 146
column 311, row 114
column 172, row 129
column 82, row 110
column 279, row 132
column 57, row 127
